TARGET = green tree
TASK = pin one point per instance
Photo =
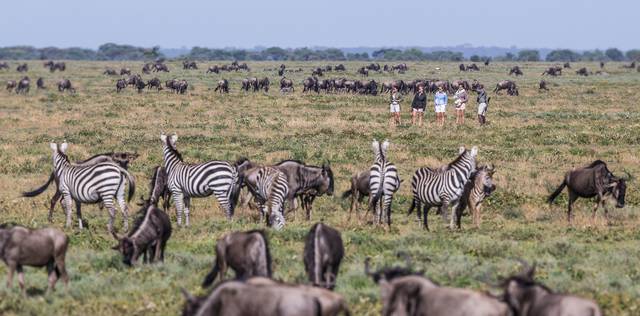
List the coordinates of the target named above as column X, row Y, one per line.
column 562, row 55
column 633, row 54
column 528, row 55
column 614, row 54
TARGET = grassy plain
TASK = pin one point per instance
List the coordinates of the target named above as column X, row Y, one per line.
column 532, row 140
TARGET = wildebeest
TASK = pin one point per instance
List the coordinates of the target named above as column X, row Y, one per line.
column 400, row 67
column 40, row 84
column 487, row 61
column 140, row 85
column 125, row 71
column 340, row 67
column 110, row 72
column 462, row 67
column 582, row 72
column 358, row 190
column 23, row 85
column 264, row 84
column 553, row 71
column 157, row 67
column 479, row 187
column 65, row 85
column 515, row 70
column 455, row 84
column 154, row 83
column 23, row 68
column 508, row 85
column 213, row 69
column 310, row 84
column 318, row 72
column 177, row 85
column 630, row 66
column 189, row 65
column 593, row 180
column 306, row 182
column 363, row 71
column 389, row 85
column 473, row 67
column 323, row 252
column 121, row 158
column 247, row 253
column 11, row 84
column 263, row 296
column 286, row 85
column 20, row 246
column 404, row 292
column 543, row 85
column 223, row 86
column 369, row 87
column 120, row 85
column 602, row 65
column 435, row 85
column 55, row 66
column 134, row 79
column 250, row 83
column 372, row 66
column 567, row 65
column 146, row 69
column 526, row 296
column 149, row 236
column 4, row 65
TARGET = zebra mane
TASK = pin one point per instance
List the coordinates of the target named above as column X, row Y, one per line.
column 95, row 156
column 174, row 151
column 455, row 161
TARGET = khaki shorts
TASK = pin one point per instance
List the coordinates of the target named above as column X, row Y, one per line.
column 441, row 108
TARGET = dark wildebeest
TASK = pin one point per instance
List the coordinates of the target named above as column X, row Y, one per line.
column 508, row 85
column 367, row 87
column 23, row 68
column 323, row 252
column 543, row 85
column 23, row 85
column 134, row 79
column 264, row 84
column 223, row 86
column 4, row 65
column 567, row 65
column 460, row 83
column 602, row 65
column 475, row 85
column 473, row 67
column 247, row 253
column 110, row 72
column 181, row 86
column 553, row 71
column 306, row 182
column 486, row 62
column 594, row 180
column 286, row 85
column 250, row 83
column 157, row 67
column 526, row 296
column 189, row 65
column 630, row 66
column 120, row 85
column 480, row 185
column 140, row 85
column 56, row 66
column 389, row 85
column 515, row 70
column 146, row 69
column 40, row 84
column 582, row 72
column 310, row 84
column 363, row 71
column 263, row 296
column 462, row 67
column 150, row 233
column 435, row 85
column 214, row 69
column 11, row 84
column 154, row 83
column 359, row 189
column 125, row 71
column 404, row 292
column 121, row 158
column 65, row 85
column 340, row 67
column 317, row 72
column 20, row 246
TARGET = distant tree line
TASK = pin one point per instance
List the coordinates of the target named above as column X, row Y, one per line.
column 111, row 51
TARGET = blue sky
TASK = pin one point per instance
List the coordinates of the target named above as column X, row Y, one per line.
column 573, row 24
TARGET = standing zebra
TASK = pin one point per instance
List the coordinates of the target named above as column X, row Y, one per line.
column 269, row 186
column 383, row 182
column 102, row 182
column 443, row 187
column 184, row 181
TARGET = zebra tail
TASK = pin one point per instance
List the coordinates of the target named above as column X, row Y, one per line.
column 557, row 191
column 41, row 189
column 132, row 183
column 346, row 194
column 413, row 206
column 208, row 280
column 236, row 187
column 376, row 198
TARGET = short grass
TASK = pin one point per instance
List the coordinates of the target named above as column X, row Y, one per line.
column 532, row 140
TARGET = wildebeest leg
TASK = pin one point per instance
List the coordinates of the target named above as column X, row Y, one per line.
column 67, row 205
column 425, row 212
column 606, row 211
column 158, row 251
column 56, row 197
column 53, row 277
column 123, row 206
column 79, row 214
column 11, row 268
column 572, row 198
column 21, row 280
column 309, row 205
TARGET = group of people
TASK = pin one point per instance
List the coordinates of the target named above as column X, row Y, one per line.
column 440, row 101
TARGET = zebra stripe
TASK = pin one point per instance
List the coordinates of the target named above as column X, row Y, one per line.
column 270, row 187
column 103, row 182
column 443, row 187
column 383, row 182
column 185, row 181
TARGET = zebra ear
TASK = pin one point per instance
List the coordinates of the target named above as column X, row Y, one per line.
column 461, row 150
column 53, row 146
column 375, row 145
column 474, row 151
column 163, row 138
column 385, row 146
column 63, row 147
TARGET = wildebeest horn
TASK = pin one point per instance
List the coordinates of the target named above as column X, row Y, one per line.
column 529, row 270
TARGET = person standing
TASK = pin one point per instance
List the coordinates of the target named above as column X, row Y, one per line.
column 461, row 103
column 482, row 105
column 440, row 100
column 394, row 107
column 418, row 105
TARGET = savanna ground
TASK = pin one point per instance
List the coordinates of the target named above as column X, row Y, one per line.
column 531, row 139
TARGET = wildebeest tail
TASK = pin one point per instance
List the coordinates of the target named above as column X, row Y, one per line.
column 41, row 189
column 318, row 306
column 208, row 280
column 555, row 193
column 346, row 194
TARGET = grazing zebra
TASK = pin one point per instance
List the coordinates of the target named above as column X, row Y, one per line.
column 270, row 188
column 383, row 182
column 442, row 187
column 185, row 181
column 102, row 182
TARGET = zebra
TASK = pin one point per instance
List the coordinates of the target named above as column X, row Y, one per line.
column 185, row 181
column 101, row 182
column 443, row 187
column 269, row 186
column 383, row 182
